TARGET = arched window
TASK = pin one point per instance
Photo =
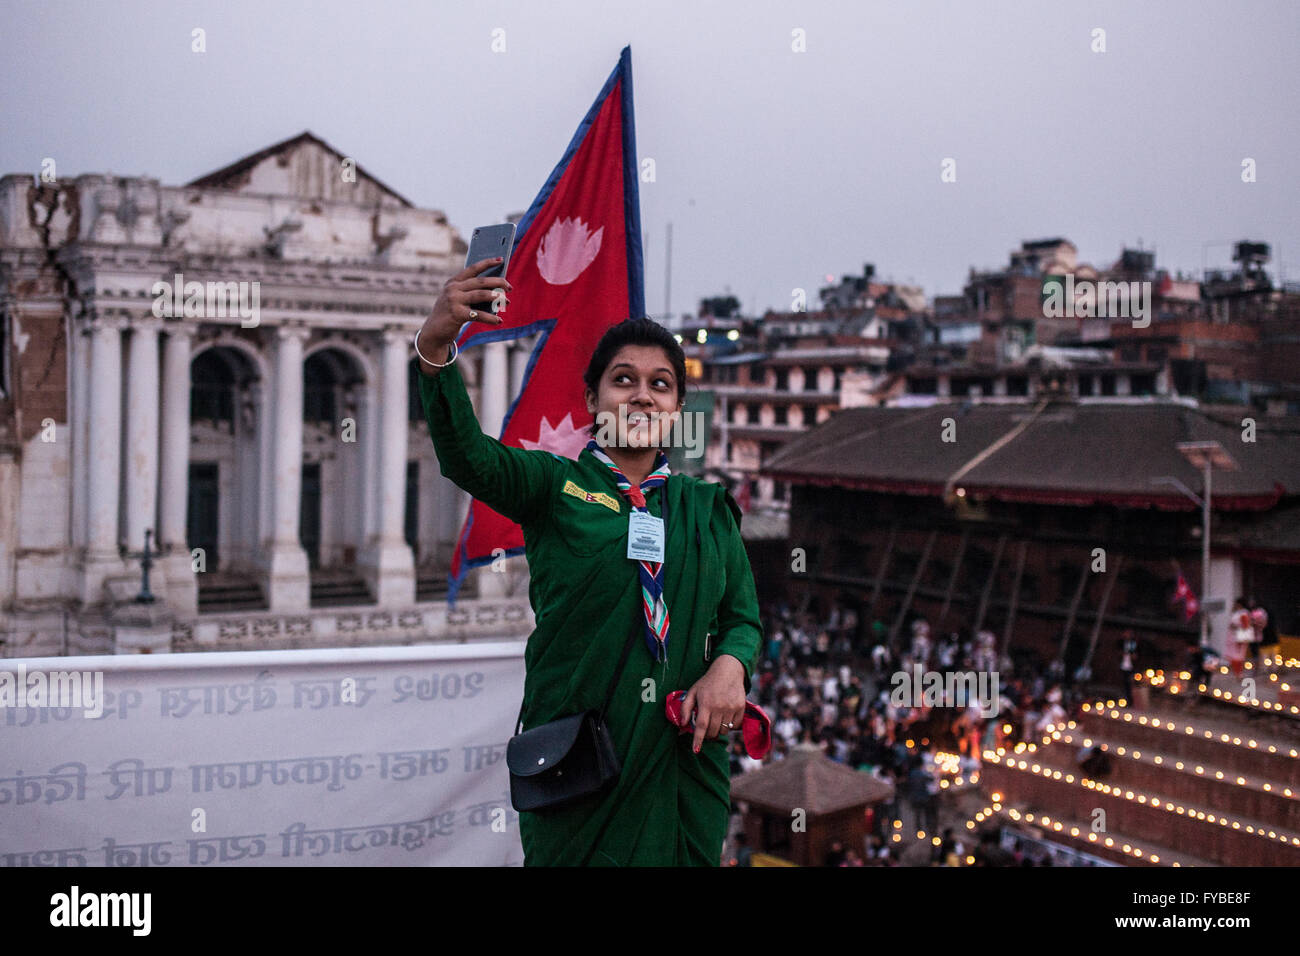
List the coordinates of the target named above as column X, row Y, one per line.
column 212, row 389
column 328, row 376
column 220, row 380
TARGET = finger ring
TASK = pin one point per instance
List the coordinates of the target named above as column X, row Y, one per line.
column 473, row 314
column 728, row 724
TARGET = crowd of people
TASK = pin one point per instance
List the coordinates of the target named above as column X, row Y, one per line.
column 830, row 684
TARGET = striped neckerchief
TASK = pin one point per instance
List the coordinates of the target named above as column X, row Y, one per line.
column 651, row 572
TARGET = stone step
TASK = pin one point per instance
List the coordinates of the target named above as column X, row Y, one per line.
column 1199, row 736
column 1161, row 818
column 340, row 593
column 1272, row 703
column 434, row 587
column 225, row 594
column 1248, row 798
column 1078, row 835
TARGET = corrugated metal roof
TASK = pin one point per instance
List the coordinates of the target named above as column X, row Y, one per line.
column 1073, row 453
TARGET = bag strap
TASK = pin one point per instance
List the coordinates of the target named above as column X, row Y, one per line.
column 609, row 696
column 627, row 648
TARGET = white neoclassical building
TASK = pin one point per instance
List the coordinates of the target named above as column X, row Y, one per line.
column 226, row 368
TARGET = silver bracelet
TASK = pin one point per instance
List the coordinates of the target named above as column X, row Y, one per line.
column 455, row 351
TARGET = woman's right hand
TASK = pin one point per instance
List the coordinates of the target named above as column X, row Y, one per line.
column 466, row 297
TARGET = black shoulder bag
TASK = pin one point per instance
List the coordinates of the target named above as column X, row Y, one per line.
column 570, row 758
column 566, row 759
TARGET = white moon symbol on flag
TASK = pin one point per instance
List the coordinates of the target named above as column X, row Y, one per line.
column 566, row 250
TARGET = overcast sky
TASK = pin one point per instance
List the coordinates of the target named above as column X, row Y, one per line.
column 775, row 167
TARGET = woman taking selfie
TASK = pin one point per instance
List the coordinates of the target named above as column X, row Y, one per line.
column 687, row 621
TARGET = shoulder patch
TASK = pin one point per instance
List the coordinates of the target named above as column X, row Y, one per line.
column 599, row 497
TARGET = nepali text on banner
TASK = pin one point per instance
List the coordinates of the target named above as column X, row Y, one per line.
column 354, row 756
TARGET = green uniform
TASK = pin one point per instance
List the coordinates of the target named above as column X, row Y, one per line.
column 670, row 805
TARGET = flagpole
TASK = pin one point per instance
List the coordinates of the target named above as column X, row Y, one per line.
column 668, row 279
column 1205, row 555
column 1206, row 455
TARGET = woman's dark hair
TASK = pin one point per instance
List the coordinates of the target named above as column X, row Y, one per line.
column 642, row 331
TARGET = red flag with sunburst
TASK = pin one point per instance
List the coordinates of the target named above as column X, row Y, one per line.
column 576, row 270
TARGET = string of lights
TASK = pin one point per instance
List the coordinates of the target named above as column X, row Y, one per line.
column 1113, row 711
column 1180, row 682
column 1141, row 797
column 1025, row 757
column 1063, row 827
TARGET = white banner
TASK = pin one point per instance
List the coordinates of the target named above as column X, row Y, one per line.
column 341, row 757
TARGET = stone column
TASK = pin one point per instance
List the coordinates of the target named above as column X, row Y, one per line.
column 494, row 397
column 141, row 478
column 104, row 449
column 288, row 581
column 80, row 435
column 182, row 585
column 493, row 402
column 361, row 497
column 520, row 352
column 265, row 453
column 389, row 565
column 250, row 414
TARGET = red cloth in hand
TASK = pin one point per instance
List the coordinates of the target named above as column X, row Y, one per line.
column 756, row 728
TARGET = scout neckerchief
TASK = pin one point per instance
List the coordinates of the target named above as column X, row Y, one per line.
column 651, row 572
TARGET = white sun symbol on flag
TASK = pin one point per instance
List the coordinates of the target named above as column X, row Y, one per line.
column 564, row 439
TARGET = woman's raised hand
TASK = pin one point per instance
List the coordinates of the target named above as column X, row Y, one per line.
column 466, row 297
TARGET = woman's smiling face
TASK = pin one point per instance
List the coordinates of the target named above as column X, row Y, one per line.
column 638, row 399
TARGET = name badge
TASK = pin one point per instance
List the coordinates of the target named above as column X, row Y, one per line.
column 645, row 537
